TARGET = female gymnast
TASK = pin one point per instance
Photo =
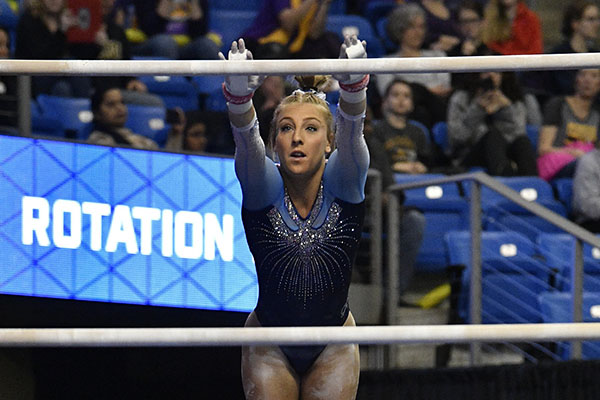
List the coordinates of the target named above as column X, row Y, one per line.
column 303, row 221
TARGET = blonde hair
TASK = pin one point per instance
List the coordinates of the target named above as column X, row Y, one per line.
column 498, row 27
column 309, row 93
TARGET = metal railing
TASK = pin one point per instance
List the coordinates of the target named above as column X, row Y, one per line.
column 478, row 179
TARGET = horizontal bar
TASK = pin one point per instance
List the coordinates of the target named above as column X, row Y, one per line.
column 182, row 337
column 300, row 67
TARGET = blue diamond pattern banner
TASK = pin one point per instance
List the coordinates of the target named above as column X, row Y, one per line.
column 87, row 222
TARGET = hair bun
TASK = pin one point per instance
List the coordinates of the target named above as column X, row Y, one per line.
column 312, row 82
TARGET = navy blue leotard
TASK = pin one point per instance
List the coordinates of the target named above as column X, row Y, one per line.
column 303, row 265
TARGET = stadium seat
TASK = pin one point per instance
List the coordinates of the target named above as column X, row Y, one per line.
column 74, row 113
column 501, row 213
column 378, row 9
column 8, row 18
column 558, row 249
column 176, row 91
column 564, row 192
column 339, row 24
column 387, row 42
column 512, row 276
column 47, row 126
column 444, row 210
column 245, row 5
column 208, row 89
column 439, row 133
column 533, row 132
column 148, row 121
column 230, row 24
column 557, row 307
column 337, row 7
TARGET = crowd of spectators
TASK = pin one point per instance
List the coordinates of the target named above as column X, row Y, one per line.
column 488, row 116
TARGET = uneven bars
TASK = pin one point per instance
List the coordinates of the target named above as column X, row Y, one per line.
column 299, row 67
column 188, row 337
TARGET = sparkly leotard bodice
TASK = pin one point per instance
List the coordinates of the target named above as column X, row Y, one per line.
column 304, row 265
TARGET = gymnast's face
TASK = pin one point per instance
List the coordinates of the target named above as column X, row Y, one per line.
column 302, row 139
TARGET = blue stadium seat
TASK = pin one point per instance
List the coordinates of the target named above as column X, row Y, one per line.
column 557, row 307
column 439, row 132
column 8, row 18
column 558, row 249
column 230, row 24
column 501, row 213
column 533, row 132
column 245, row 5
column 337, row 7
column 512, row 276
column 176, row 91
column 378, row 9
column 444, row 210
column 338, row 23
column 47, row 126
column 208, row 88
column 74, row 113
column 564, row 192
column 388, row 43
column 148, row 121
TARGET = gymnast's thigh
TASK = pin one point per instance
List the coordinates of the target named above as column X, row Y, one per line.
column 334, row 375
column 266, row 373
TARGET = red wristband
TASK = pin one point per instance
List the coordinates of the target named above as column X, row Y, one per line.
column 357, row 86
column 236, row 99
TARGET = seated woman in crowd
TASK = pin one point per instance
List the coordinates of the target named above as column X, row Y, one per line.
column 110, row 117
column 570, row 127
column 487, row 126
column 442, row 32
column 407, row 27
column 580, row 24
column 512, row 28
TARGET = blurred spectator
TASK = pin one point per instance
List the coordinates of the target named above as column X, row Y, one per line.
column 512, row 28
column 174, row 29
column 442, row 31
column 586, row 191
column 111, row 44
column 204, row 132
column 487, row 126
column 8, row 90
column 292, row 29
column 570, row 127
column 41, row 36
column 406, row 144
column 469, row 16
column 407, row 27
column 398, row 146
column 580, row 24
column 110, row 117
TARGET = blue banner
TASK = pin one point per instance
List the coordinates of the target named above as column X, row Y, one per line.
column 88, row 222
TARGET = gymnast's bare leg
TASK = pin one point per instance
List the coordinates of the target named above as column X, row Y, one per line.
column 266, row 373
column 334, row 375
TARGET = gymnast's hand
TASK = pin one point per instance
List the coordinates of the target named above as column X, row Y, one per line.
column 241, row 86
column 352, row 48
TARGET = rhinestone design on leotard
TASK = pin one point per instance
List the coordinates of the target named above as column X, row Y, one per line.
column 305, row 263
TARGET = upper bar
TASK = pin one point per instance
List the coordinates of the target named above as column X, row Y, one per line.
column 301, row 67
